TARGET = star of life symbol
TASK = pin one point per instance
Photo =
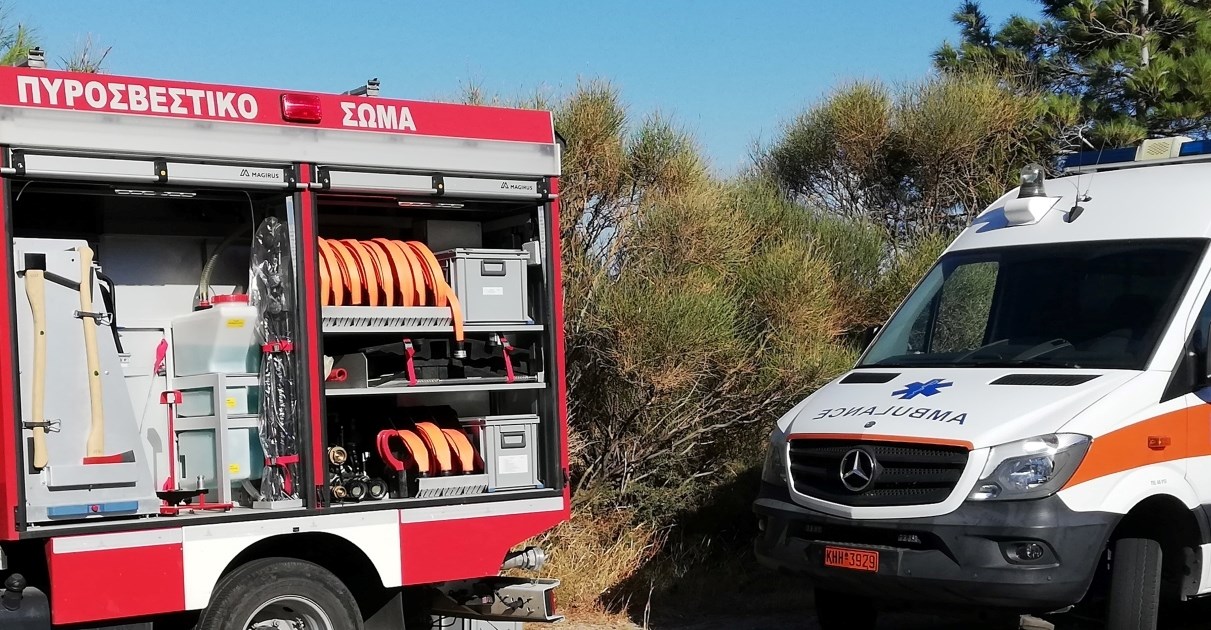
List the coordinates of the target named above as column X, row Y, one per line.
column 928, row 388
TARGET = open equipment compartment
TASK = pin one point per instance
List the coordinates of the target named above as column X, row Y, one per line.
column 436, row 340
column 170, row 329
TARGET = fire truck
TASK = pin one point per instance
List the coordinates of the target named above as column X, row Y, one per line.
column 277, row 359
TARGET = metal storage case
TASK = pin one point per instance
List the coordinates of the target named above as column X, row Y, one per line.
column 490, row 283
column 508, row 445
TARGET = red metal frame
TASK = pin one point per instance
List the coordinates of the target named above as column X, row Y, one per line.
column 308, row 251
column 11, row 448
column 557, row 323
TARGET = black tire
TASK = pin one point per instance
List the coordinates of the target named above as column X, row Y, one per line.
column 324, row 600
column 842, row 611
column 1135, row 585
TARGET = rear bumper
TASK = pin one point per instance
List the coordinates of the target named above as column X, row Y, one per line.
column 965, row 558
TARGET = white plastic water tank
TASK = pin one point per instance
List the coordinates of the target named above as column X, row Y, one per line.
column 219, row 339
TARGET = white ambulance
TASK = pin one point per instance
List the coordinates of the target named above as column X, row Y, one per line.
column 1031, row 430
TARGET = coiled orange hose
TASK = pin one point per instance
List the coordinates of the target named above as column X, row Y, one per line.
column 438, row 445
column 365, row 271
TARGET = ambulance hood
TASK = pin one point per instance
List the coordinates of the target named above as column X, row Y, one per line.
column 981, row 406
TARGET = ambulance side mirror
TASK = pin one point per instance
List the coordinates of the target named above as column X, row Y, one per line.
column 1202, row 359
column 868, row 335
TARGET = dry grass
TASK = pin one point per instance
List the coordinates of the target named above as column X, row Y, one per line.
column 615, row 576
column 591, row 556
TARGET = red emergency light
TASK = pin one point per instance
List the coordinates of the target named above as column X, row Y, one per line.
column 301, row 108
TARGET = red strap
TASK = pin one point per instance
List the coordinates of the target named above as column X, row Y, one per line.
column 170, row 397
column 161, row 357
column 284, row 345
column 505, row 349
column 282, row 461
column 411, row 363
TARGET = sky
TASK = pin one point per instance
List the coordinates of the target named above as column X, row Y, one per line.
column 729, row 72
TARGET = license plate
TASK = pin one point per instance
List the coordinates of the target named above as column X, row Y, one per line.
column 853, row 559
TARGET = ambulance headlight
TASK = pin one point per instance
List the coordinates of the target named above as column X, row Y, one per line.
column 1030, row 469
column 774, row 469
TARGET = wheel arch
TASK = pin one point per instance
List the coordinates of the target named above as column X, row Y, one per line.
column 1179, row 529
column 348, row 562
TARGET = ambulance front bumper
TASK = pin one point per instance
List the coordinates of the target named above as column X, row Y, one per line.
column 1029, row 556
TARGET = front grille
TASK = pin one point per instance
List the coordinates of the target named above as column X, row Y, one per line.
column 905, row 474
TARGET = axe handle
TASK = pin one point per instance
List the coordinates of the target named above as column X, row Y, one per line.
column 35, row 290
column 96, row 429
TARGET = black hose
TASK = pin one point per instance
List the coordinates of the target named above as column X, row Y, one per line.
column 109, row 295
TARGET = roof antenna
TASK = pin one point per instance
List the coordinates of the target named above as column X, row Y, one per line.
column 1083, row 196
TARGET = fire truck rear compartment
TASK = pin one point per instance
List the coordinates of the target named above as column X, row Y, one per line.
column 433, row 412
column 423, row 405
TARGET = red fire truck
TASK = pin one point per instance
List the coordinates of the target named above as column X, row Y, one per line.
column 277, row 359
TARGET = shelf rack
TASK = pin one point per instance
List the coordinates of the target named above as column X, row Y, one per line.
column 220, row 421
column 405, row 319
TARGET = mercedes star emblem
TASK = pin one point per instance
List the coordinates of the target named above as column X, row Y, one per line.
column 857, row 470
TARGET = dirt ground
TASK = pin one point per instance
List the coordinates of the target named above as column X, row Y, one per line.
column 803, row 621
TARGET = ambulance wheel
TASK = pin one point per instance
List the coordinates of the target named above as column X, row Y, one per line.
column 842, row 611
column 1135, row 585
column 281, row 593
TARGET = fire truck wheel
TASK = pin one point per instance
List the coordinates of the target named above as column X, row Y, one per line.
column 841, row 611
column 276, row 593
column 1135, row 585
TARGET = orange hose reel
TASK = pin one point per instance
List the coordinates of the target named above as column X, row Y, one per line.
column 439, row 447
column 361, row 272
column 335, row 275
column 418, row 454
column 464, row 453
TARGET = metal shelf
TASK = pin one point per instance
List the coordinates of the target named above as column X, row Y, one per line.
column 203, row 423
column 431, row 389
column 405, row 319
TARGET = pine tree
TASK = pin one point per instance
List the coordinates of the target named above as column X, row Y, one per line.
column 1131, row 68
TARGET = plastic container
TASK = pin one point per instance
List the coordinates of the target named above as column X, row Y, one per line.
column 240, row 401
column 509, row 447
column 219, row 339
column 245, row 458
column 490, row 284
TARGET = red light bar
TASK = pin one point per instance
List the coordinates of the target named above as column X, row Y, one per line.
column 301, row 108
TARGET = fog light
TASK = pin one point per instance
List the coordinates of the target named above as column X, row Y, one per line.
column 1028, row 551
column 911, row 539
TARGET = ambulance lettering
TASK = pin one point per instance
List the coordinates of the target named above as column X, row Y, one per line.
column 377, row 116
column 155, row 99
column 918, row 413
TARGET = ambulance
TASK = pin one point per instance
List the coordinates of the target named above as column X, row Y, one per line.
column 1030, row 432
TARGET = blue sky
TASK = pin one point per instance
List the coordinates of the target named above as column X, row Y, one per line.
column 728, row 71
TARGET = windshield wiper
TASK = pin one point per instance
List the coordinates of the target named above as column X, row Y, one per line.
column 988, row 363
column 1040, row 363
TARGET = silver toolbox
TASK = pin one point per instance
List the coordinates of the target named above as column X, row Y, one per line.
column 509, row 447
column 490, row 283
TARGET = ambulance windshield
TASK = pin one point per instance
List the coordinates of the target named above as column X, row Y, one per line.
column 1100, row 304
